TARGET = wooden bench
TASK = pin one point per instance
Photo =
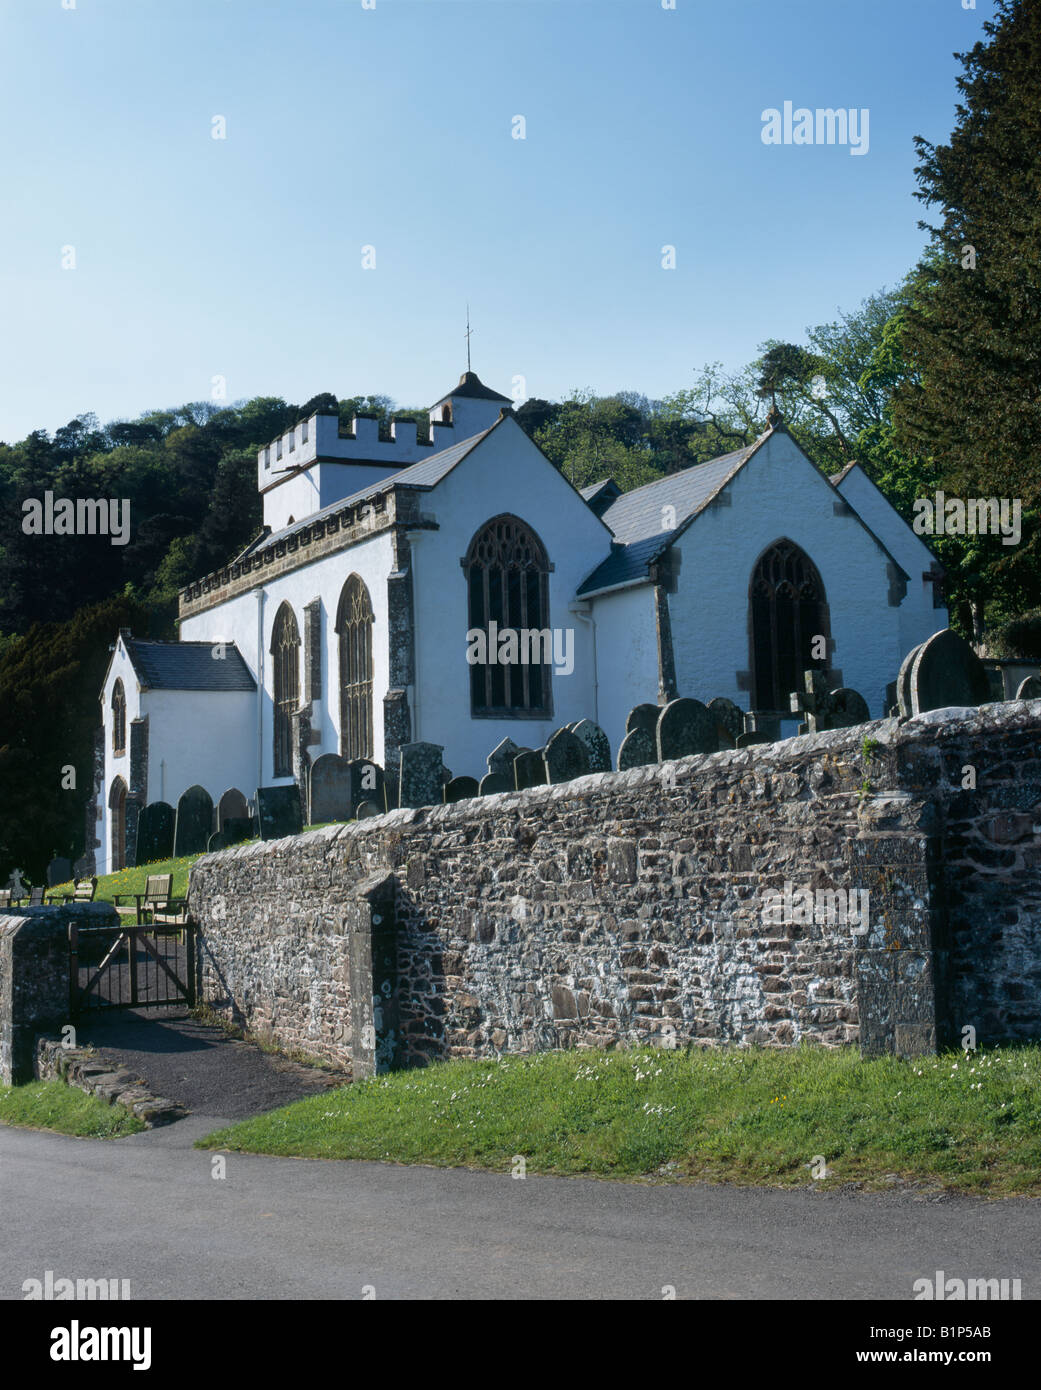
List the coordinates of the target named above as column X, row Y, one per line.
column 82, row 893
column 173, row 916
column 155, row 898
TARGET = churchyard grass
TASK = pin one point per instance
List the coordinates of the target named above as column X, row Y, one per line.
column 66, row 1110
column 967, row 1122
column 133, row 880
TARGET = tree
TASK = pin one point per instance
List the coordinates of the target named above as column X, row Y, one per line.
column 972, row 407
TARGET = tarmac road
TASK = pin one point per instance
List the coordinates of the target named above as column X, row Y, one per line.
column 147, row 1208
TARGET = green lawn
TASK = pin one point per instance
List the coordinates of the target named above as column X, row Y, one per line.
column 133, row 880
column 66, row 1109
column 970, row 1123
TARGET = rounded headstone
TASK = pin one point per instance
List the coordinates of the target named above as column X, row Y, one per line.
column 643, row 717
column 685, row 727
column 367, row 809
column 637, row 750
column 730, row 721
column 565, row 757
column 461, row 789
column 218, row 840
column 848, row 707
column 598, row 749
column 494, row 782
column 903, row 683
column 529, row 770
column 1030, row 689
column 947, row 672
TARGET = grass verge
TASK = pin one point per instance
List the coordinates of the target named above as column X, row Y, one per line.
column 66, row 1110
column 133, row 880
column 964, row 1122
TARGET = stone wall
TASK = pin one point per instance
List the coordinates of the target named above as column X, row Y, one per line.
column 628, row 906
column 34, row 978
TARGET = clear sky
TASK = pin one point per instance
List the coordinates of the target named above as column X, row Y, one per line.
column 391, row 127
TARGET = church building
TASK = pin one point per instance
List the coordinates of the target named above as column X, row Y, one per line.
column 461, row 591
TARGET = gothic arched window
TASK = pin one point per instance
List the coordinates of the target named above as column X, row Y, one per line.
column 788, row 609
column 507, row 575
column 354, row 626
column 119, row 719
column 285, row 651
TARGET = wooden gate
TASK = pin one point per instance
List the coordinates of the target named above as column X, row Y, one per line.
column 131, row 967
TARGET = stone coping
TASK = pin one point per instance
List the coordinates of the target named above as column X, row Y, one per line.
column 887, row 733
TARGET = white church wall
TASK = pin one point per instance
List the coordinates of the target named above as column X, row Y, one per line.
column 200, row 737
column 627, row 657
column 918, row 618
column 505, row 473
column 779, row 494
column 236, row 621
column 120, row 668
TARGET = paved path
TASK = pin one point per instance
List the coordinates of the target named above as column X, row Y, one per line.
column 147, row 1209
column 198, row 1065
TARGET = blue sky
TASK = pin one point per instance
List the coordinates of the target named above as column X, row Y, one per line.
column 391, row 127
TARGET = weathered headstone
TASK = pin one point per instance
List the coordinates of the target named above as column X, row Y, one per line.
column 637, row 750
column 685, row 727
column 1030, row 689
column 59, row 871
column 231, row 806
column 643, row 717
column 218, row 840
column 366, row 783
column 947, row 672
column 500, row 759
column 598, row 749
column 903, row 683
column 494, row 782
column 237, row 828
column 155, row 833
column 19, row 889
column 565, row 757
column 329, row 789
column 193, row 823
column 420, row 782
column 529, row 770
column 828, row 709
column 278, row 812
column 461, row 789
column 367, row 809
column 730, row 721
column 763, row 721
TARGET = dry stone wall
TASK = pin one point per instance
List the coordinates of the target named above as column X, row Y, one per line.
column 632, row 906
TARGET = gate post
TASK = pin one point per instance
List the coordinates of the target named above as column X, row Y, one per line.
column 373, row 975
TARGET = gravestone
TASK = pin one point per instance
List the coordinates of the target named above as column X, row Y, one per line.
column 329, row 789
column 278, row 812
column 903, row 683
column 753, row 736
column 231, row 806
column 237, row 828
column 1030, row 689
column 366, row 784
column 462, row 789
column 193, row 823
column 218, row 840
column 19, row 889
column 643, row 717
column 828, row 709
column 996, row 685
column 763, row 721
column 367, row 809
column 59, row 871
column 598, row 749
column 565, row 757
column 420, row 782
column 947, row 672
column 155, row 833
column 685, row 727
column 529, row 770
column 892, row 708
column 637, row 750
column 730, row 721
column 500, row 759
column 494, row 782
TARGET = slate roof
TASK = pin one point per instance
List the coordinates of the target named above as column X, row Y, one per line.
column 425, row 474
column 188, row 666
column 471, row 386
column 636, row 517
